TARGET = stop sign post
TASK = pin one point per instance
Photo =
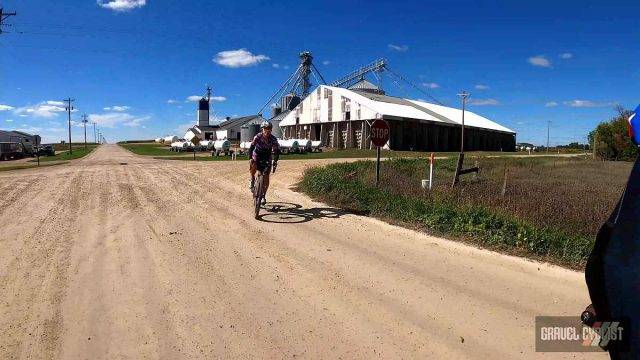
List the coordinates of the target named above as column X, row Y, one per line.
column 379, row 136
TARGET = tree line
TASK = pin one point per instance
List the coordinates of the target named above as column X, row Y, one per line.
column 611, row 138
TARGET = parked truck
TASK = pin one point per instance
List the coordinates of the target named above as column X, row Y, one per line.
column 10, row 151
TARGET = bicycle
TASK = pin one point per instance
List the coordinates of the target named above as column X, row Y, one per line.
column 259, row 191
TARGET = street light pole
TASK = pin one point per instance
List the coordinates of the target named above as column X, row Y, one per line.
column 464, row 95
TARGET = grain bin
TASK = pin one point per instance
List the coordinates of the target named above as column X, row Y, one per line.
column 248, row 132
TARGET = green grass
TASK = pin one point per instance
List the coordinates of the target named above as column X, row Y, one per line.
column 551, row 209
column 78, row 152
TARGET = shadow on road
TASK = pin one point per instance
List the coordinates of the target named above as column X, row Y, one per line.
column 288, row 213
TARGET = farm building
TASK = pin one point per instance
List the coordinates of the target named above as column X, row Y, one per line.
column 341, row 118
column 232, row 127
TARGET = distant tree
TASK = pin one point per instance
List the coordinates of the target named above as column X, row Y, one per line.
column 612, row 138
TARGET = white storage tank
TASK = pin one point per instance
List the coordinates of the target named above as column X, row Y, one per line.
column 179, row 146
column 222, row 145
column 170, row 140
column 290, row 145
column 304, row 145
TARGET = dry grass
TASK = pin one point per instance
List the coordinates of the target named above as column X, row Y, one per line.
column 551, row 209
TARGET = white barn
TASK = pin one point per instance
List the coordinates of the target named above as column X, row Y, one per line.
column 341, row 118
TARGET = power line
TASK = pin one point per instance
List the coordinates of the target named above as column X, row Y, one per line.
column 4, row 16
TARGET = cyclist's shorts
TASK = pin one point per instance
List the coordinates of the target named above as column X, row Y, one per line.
column 264, row 165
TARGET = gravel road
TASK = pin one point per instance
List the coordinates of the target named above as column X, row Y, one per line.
column 122, row 256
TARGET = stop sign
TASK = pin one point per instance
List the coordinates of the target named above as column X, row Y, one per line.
column 379, row 132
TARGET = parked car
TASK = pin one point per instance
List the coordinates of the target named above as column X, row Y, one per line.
column 46, row 150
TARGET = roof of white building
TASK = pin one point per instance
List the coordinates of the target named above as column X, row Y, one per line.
column 389, row 107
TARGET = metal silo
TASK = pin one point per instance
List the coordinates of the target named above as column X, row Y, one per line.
column 248, row 132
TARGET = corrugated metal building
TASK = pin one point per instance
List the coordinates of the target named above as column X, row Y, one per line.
column 341, row 118
column 232, row 127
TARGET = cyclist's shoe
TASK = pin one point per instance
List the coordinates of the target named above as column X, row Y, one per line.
column 264, row 201
column 252, row 183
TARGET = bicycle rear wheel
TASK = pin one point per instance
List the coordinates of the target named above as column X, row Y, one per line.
column 258, row 194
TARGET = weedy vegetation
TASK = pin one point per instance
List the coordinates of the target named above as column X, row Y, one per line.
column 550, row 208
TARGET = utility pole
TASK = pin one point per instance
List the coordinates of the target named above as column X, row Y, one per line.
column 84, row 122
column 548, row 127
column 95, row 136
column 4, row 16
column 69, row 108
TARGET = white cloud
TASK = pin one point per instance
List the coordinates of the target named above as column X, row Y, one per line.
column 5, row 107
column 481, row 87
column 121, row 5
column 586, row 103
column 172, row 101
column 116, row 108
column 540, row 61
column 431, row 85
column 482, row 102
column 566, row 56
column 116, row 119
column 9, row 120
column 326, row 62
column 218, row 98
column 551, row 104
column 275, row 66
column 46, row 109
column 238, row 58
column 400, row 48
column 194, row 98
column 286, row 67
column 182, row 128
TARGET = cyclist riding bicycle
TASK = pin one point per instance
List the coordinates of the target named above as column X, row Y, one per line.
column 264, row 148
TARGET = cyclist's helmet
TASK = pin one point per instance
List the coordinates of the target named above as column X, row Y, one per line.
column 266, row 125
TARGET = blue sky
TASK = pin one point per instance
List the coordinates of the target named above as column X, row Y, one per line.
column 131, row 65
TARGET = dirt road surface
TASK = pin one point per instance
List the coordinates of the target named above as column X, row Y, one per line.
column 122, row 256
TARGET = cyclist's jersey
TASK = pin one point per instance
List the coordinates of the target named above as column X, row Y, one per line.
column 263, row 147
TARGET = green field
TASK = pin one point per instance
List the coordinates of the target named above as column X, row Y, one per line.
column 78, row 152
column 551, row 208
